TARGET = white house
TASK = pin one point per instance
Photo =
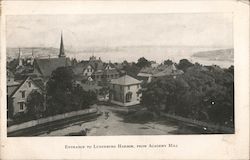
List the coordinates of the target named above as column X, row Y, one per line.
column 88, row 70
column 124, row 91
column 18, row 94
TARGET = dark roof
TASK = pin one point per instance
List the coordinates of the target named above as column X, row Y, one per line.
column 170, row 70
column 125, row 80
column 97, row 64
column 109, row 64
column 47, row 66
column 149, row 70
column 11, row 89
column 80, row 67
column 39, row 82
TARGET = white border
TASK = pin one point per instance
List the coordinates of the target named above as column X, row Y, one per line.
column 235, row 146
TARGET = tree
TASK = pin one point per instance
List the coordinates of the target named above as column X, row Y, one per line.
column 143, row 62
column 125, row 63
column 59, row 90
column 104, row 91
column 63, row 95
column 168, row 62
column 184, row 64
column 13, row 64
column 132, row 69
column 35, row 104
column 199, row 93
column 81, row 99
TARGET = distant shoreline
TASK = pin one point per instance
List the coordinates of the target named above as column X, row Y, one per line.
column 130, row 54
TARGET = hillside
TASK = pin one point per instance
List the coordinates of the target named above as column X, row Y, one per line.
column 217, row 55
column 37, row 51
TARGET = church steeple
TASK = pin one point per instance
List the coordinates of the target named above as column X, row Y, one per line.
column 20, row 57
column 62, row 53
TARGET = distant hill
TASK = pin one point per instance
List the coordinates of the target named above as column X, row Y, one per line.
column 130, row 53
column 216, row 55
column 37, row 51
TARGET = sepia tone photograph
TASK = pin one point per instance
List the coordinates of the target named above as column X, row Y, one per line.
column 120, row 74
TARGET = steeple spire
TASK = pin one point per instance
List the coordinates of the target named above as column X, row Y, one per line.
column 61, row 54
column 20, row 57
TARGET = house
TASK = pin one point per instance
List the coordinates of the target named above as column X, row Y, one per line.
column 171, row 70
column 44, row 67
column 83, row 70
column 96, row 63
column 124, row 91
column 10, row 79
column 146, row 73
column 105, row 72
column 17, row 95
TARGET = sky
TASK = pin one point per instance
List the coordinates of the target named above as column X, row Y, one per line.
column 90, row 30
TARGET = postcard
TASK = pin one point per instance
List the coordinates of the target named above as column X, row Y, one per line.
column 124, row 80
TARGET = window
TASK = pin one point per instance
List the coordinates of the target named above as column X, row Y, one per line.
column 23, row 94
column 129, row 97
column 86, row 74
column 88, row 70
column 21, row 105
column 29, row 83
column 128, row 87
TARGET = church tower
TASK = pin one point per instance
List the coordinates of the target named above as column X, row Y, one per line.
column 20, row 58
column 62, row 53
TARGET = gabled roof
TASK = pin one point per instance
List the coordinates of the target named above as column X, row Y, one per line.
column 109, row 64
column 97, row 64
column 47, row 66
column 13, row 89
column 170, row 70
column 80, row 67
column 149, row 70
column 125, row 80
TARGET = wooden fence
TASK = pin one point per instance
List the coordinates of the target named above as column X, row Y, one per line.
column 50, row 119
